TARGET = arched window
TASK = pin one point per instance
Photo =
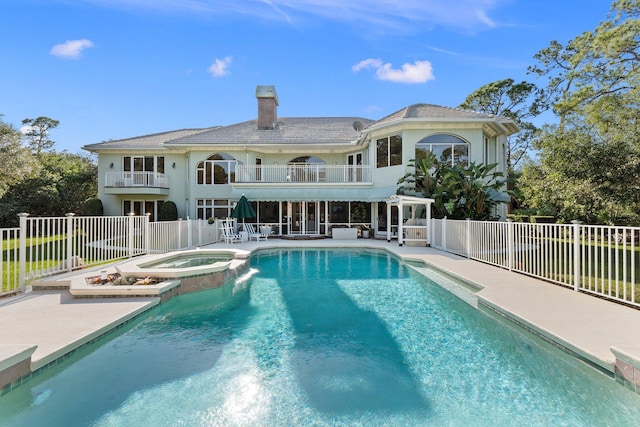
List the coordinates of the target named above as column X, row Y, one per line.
column 219, row 168
column 447, row 148
column 307, row 159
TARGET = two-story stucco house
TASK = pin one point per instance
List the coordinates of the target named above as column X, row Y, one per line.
column 303, row 175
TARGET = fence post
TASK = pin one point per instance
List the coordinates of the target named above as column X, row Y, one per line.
column 147, row 233
column 189, row 234
column 431, row 230
column 69, row 241
column 131, row 231
column 510, row 243
column 444, row 233
column 468, row 243
column 576, row 254
column 22, row 254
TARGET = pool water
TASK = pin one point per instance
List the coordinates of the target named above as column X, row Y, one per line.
column 190, row 261
column 321, row 337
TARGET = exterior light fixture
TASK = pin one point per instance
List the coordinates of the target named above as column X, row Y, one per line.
column 173, row 165
column 111, row 166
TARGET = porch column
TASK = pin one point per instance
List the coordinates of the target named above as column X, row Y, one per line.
column 400, row 221
column 428, row 224
column 388, row 222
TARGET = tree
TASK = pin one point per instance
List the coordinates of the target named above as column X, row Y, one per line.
column 588, row 163
column 595, row 65
column 36, row 131
column 15, row 161
column 517, row 101
column 64, row 182
column 458, row 192
column 584, row 174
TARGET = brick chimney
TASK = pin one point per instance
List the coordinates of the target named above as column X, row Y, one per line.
column 267, row 107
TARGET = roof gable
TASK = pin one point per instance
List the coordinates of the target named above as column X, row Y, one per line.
column 437, row 113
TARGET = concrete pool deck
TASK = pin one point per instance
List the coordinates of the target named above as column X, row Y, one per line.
column 49, row 324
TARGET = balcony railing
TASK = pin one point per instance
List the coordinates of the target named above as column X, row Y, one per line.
column 136, row 179
column 303, row 173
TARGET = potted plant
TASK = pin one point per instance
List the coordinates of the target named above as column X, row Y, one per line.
column 361, row 215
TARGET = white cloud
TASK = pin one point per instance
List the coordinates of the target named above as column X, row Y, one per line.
column 71, row 48
column 220, row 67
column 482, row 17
column 418, row 72
column 367, row 63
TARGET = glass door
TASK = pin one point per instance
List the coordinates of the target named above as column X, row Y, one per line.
column 354, row 170
column 311, row 223
column 303, row 218
column 296, row 215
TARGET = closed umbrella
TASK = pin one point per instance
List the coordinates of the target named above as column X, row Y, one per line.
column 243, row 210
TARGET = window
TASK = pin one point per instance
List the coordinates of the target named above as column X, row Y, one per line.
column 258, row 169
column 389, row 151
column 447, row 148
column 143, row 164
column 142, row 207
column 339, row 212
column 217, row 169
column 269, row 211
column 213, row 208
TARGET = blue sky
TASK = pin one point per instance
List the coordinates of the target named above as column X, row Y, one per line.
column 111, row 69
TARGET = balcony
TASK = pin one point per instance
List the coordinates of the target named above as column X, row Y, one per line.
column 303, row 173
column 136, row 183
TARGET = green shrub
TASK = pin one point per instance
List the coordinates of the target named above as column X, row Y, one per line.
column 91, row 207
column 168, row 212
column 518, row 217
column 543, row 219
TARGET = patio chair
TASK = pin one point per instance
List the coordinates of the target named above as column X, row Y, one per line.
column 229, row 236
column 253, row 234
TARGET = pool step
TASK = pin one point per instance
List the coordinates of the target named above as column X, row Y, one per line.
column 15, row 364
column 49, row 284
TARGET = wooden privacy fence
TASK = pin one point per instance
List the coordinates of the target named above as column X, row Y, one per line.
column 46, row 246
column 596, row 259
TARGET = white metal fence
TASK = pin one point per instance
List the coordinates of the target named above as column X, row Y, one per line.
column 42, row 247
column 9, row 274
column 165, row 236
column 596, row 259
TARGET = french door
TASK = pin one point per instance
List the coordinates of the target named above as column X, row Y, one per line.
column 303, row 218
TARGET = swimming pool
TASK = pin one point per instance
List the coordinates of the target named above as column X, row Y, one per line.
column 321, row 337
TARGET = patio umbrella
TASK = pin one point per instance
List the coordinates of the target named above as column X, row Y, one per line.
column 243, row 210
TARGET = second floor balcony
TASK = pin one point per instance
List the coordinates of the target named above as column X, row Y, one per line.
column 136, row 183
column 303, row 173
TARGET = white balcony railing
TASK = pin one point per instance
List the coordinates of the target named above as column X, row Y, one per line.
column 136, row 179
column 303, row 173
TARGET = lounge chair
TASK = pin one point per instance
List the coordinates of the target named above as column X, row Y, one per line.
column 229, row 236
column 253, row 234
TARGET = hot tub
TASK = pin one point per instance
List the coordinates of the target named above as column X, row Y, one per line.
column 183, row 264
